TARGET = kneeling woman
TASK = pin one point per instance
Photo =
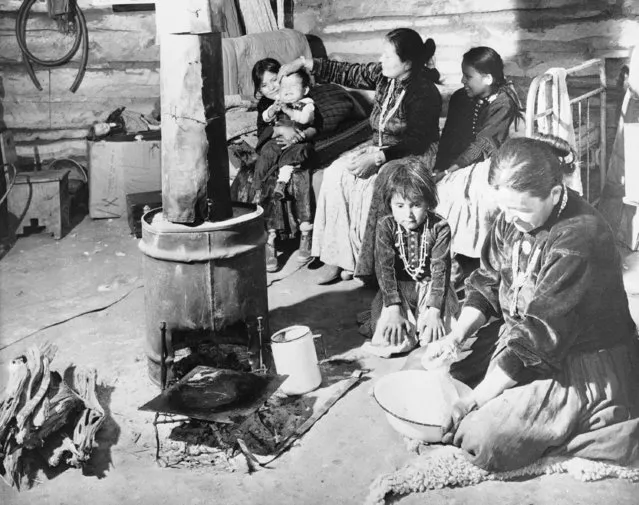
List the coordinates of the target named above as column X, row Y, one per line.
column 558, row 373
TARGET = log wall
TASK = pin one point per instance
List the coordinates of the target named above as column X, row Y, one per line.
column 123, row 70
column 531, row 35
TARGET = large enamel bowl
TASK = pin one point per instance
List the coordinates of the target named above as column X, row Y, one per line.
column 418, row 402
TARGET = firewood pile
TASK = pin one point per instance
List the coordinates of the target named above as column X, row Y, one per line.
column 42, row 411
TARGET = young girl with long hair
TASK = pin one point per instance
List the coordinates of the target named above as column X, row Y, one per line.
column 415, row 302
column 267, row 88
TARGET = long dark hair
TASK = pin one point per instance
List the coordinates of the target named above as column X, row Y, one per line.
column 488, row 61
column 260, row 68
column 532, row 165
column 409, row 178
column 409, row 47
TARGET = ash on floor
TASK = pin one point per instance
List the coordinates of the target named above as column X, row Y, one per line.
column 198, row 443
column 195, row 443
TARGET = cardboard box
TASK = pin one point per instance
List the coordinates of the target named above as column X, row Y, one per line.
column 118, row 166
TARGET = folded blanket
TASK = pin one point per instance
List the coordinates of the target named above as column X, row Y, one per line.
column 447, row 466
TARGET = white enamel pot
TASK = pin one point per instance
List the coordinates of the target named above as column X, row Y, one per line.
column 418, row 402
column 294, row 355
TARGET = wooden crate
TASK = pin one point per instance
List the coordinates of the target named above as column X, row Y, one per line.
column 41, row 198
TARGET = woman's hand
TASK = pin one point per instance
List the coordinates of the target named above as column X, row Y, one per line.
column 431, row 326
column 461, row 408
column 396, row 327
column 294, row 66
column 363, row 165
column 449, row 345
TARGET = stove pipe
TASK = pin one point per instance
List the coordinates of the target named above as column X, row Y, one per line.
column 195, row 164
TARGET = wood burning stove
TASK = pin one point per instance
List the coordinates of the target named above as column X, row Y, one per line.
column 204, row 263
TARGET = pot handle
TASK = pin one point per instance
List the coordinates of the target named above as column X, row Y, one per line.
column 321, row 339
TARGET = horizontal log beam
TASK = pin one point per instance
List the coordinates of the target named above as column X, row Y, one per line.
column 104, row 83
column 85, row 5
column 26, row 136
column 355, row 9
column 112, row 37
column 46, row 151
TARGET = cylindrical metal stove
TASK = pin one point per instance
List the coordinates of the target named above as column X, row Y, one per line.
column 205, row 282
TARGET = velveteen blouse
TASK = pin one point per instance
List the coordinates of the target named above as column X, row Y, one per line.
column 390, row 268
column 411, row 107
column 571, row 297
column 476, row 127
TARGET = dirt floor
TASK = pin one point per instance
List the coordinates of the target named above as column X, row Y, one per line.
column 85, row 294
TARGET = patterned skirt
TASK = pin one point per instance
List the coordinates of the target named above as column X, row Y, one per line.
column 588, row 409
column 466, row 202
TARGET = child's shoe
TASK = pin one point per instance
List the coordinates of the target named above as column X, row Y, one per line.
column 279, row 191
column 271, row 259
column 304, row 252
column 271, row 255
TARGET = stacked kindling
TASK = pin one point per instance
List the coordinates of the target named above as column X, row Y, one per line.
column 38, row 405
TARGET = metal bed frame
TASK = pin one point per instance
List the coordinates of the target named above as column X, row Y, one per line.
column 534, row 115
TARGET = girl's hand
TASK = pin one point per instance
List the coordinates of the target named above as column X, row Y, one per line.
column 289, row 136
column 397, row 326
column 274, row 109
column 431, row 326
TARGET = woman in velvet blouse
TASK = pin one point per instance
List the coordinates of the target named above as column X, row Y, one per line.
column 557, row 373
column 404, row 120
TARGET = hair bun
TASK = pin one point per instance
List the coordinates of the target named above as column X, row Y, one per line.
column 562, row 149
column 429, row 49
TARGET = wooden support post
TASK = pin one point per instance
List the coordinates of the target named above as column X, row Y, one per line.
column 195, row 166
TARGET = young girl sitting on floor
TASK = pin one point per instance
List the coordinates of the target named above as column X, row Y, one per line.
column 283, row 138
column 412, row 264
